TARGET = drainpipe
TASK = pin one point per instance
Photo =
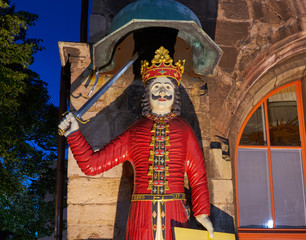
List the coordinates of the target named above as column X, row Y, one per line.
column 65, row 79
column 65, row 82
column 84, row 21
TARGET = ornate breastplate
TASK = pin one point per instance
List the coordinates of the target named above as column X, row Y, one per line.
column 158, row 169
column 159, row 156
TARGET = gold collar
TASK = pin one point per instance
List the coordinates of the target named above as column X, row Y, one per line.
column 165, row 118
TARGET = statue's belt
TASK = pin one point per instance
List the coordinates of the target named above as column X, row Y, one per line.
column 153, row 197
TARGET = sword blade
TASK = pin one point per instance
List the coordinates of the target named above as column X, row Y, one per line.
column 79, row 113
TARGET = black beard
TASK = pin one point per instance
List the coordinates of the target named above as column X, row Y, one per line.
column 158, row 97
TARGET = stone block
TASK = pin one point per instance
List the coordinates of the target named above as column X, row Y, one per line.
column 198, row 98
column 272, row 12
column 115, row 172
column 218, row 167
column 73, row 50
column 78, row 63
column 229, row 33
column 188, row 82
column 290, row 70
column 204, row 124
column 221, row 110
column 98, row 191
column 245, row 60
column 289, row 76
column 265, row 88
column 303, row 23
column 218, row 92
column 245, row 106
column 127, row 79
column 94, row 221
column 186, row 102
column 107, row 98
column 205, row 144
column 229, row 59
column 221, row 191
column 284, row 31
column 88, row 231
column 236, row 10
column 94, row 214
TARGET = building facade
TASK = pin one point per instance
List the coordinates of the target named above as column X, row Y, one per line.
column 248, row 116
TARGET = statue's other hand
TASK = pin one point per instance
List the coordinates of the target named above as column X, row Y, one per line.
column 205, row 221
column 69, row 124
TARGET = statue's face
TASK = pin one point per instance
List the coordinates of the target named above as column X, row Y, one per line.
column 161, row 95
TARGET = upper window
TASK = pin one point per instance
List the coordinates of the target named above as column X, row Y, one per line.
column 282, row 120
column 270, row 163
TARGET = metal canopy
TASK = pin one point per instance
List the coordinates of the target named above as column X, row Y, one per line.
column 159, row 13
column 153, row 10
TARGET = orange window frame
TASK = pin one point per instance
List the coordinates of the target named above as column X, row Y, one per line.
column 273, row 233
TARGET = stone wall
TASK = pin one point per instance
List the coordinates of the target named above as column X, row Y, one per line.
column 257, row 38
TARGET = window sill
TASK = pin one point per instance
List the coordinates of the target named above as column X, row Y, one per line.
column 271, row 234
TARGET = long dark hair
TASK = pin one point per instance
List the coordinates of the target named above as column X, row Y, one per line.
column 145, row 102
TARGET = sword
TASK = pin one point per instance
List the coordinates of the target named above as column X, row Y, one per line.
column 79, row 113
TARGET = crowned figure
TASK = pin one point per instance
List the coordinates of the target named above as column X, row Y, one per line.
column 161, row 147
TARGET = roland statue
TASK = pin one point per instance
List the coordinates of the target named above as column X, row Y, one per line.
column 161, row 147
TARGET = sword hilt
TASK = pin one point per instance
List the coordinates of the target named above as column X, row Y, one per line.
column 61, row 132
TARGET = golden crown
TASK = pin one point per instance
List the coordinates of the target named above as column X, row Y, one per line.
column 161, row 66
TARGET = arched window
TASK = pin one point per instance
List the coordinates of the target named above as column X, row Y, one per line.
column 270, row 167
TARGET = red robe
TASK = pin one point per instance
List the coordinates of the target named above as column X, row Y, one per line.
column 133, row 145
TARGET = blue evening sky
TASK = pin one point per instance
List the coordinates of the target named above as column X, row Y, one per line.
column 58, row 21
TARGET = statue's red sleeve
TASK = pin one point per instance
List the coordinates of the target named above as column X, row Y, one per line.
column 93, row 163
column 195, row 168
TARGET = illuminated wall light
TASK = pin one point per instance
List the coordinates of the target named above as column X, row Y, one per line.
column 270, row 224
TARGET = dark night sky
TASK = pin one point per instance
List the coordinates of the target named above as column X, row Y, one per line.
column 58, row 21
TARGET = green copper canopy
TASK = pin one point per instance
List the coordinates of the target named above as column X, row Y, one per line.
column 153, row 10
column 142, row 14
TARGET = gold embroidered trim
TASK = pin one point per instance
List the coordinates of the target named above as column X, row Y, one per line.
column 151, row 157
column 150, row 172
column 153, row 128
column 152, row 141
column 150, row 184
column 167, row 156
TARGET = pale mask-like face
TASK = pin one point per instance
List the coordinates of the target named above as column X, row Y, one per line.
column 161, row 96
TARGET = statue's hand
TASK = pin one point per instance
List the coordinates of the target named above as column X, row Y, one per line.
column 68, row 124
column 205, row 221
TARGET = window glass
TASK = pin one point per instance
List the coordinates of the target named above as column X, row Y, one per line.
column 270, row 159
column 253, row 188
column 253, row 133
column 288, row 186
column 283, row 118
